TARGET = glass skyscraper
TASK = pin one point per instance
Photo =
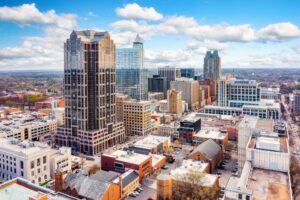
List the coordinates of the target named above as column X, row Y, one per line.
column 131, row 75
column 212, row 65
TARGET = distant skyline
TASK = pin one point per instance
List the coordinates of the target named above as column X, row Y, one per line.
column 248, row 34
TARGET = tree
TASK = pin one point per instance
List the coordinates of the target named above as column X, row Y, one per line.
column 94, row 169
column 190, row 186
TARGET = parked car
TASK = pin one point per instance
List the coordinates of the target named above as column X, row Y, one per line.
column 132, row 195
column 235, row 173
column 164, row 167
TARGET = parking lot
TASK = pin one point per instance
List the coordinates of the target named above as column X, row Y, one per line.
column 230, row 169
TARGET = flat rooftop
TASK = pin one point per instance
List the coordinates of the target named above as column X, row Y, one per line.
column 15, row 121
column 265, row 124
column 282, row 141
column 129, row 156
column 211, row 134
column 21, row 189
column 193, row 117
column 24, row 148
column 151, row 141
column 190, row 165
column 269, row 185
column 157, row 159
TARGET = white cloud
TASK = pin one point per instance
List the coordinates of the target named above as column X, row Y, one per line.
column 134, row 11
column 296, row 48
column 27, row 14
column 46, row 51
column 278, row 32
column 39, row 52
column 178, row 58
column 91, row 14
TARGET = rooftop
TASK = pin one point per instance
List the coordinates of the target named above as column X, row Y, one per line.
column 156, row 159
column 265, row 124
column 189, row 166
column 193, row 117
column 269, row 184
column 22, row 189
column 213, row 134
column 209, row 148
column 24, row 148
column 127, row 177
column 269, row 143
column 85, row 186
column 15, row 121
column 129, row 156
column 151, row 141
column 90, row 35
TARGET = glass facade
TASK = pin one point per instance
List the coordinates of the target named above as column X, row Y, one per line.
column 212, row 65
column 131, row 75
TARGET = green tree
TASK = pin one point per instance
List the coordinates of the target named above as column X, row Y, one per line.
column 190, row 186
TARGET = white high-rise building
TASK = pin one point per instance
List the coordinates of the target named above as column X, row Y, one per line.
column 236, row 92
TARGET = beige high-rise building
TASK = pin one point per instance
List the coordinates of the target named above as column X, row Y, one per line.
column 120, row 100
column 202, row 101
column 175, row 102
column 190, row 91
column 137, row 117
column 89, row 90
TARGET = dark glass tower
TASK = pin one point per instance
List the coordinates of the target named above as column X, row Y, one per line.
column 89, row 91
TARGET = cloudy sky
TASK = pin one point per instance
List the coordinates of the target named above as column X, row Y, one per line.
column 253, row 33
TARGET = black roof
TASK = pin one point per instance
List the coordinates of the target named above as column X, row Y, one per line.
column 129, row 178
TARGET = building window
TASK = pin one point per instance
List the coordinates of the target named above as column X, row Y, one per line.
column 21, row 165
column 38, row 162
column 32, row 164
column 44, row 159
column 22, row 173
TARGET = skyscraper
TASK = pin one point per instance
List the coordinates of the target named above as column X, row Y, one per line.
column 158, row 84
column 190, row 91
column 170, row 72
column 212, row 65
column 89, row 91
column 175, row 102
column 131, row 75
column 187, row 72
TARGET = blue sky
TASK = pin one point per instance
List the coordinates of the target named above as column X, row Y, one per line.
column 256, row 33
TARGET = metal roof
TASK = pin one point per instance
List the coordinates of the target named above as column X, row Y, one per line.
column 209, row 148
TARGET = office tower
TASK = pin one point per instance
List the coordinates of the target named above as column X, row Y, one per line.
column 296, row 102
column 190, row 91
column 212, row 65
column 89, row 91
column 235, row 93
column 175, row 102
column 158, row 84
column 131, row 75
column 119, row 106
column 137, row 117
column 187, row 72
column 171, row 73
column 212, row 86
